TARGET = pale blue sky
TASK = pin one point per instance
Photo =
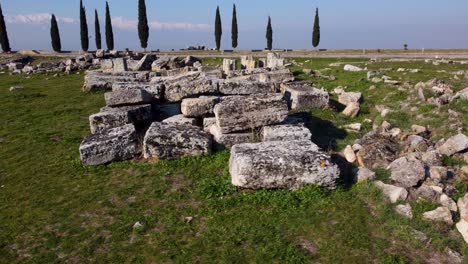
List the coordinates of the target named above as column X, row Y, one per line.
column 179, row 23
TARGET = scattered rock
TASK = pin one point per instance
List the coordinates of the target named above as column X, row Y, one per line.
column 346, row 98
column 352, row 68
column 394, row 193
column 16, row 88
column 349, row 154
column 352, row 110
column 407, row 173
column 377, row 152
column 404, row 210
column 441, row 214
column 418, row 129
column 364, row 174
column 454, row 144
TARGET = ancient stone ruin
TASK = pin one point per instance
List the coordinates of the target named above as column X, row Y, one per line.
column 166, row 108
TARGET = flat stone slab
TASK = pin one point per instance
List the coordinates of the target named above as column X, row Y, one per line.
column 245, row 87
column 109, row 145
column 199, row 107
column 187, row 85
column 291, row 165
column 301, row 95
column 155, row 90
column 241, row 113
column 172, row 141
column 286, row 133
column 180, row 120
column 228, row 140
column 127, row 97
column 111, row 117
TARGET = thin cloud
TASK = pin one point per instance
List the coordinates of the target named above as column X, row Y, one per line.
column 36, row 19
column 118, row 22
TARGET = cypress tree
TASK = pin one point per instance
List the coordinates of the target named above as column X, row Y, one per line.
column 83, row 28
column 55, row 35
column 218, row 29
column 269, row 35
column 3, row 34
column 316, row 32
column 97, row 30
column 143, row 29
column 234, row 29
column 109, row 32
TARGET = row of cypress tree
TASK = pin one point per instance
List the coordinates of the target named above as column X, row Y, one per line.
column 143, row 30
column 55, row 33
column 269, row 30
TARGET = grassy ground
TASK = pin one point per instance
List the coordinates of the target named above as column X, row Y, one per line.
column 54, row 210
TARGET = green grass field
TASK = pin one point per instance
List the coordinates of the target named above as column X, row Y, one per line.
column 54, row 210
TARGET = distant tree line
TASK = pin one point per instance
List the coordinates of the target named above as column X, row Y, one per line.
column 143, row 30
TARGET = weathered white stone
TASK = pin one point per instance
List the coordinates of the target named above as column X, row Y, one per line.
column 404, row 210
column 245, row 87
column 145, row 63
column 301, row 95
column 248, row 63
column 156, row 90
column 16, row 88
column 407, row 173
column 352, row 68
column 120, row 65
column 111, row 117
column 229, row 65
column 198, row 107
column 109, row 145
column 290, row 164
column 418, row 129
column 352, row 110
column 446, row 201
column 393, row 193
column 346, row 98
column 274, row 60
column 276, row 76
column 463, row 207
column 127, row 97
column 349, row 154
column 286, row 133
column 187, row 85
column 462, row 227
column 180, row 120
column 441, row 214
column 208, row 122
column 100, row 53
column 239, row 113
column 454, row 144
column 364, row 174
column 438, row 173
column 228, row 140
column 172, row 141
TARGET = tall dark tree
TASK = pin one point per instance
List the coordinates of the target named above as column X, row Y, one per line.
column 143, row 29
column 218, row 29
column 316, row 32
column 55, row 35
column 269, row 35
column 234, row 29
column 109, row 31
column 83, row 28
column 3, row 34
column 97, row 30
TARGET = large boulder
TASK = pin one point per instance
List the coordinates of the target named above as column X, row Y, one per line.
column 291, row 164
column 199, row 107
column 171, row 141
column 301, row 95
column 454, row 145
column 407, row 172
column 286, row 133
column 111, row 117
column 127, row 97
column 115, row 144
column 222, row 140
column 245, row 87
column 187, row 85
column 239, row 113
